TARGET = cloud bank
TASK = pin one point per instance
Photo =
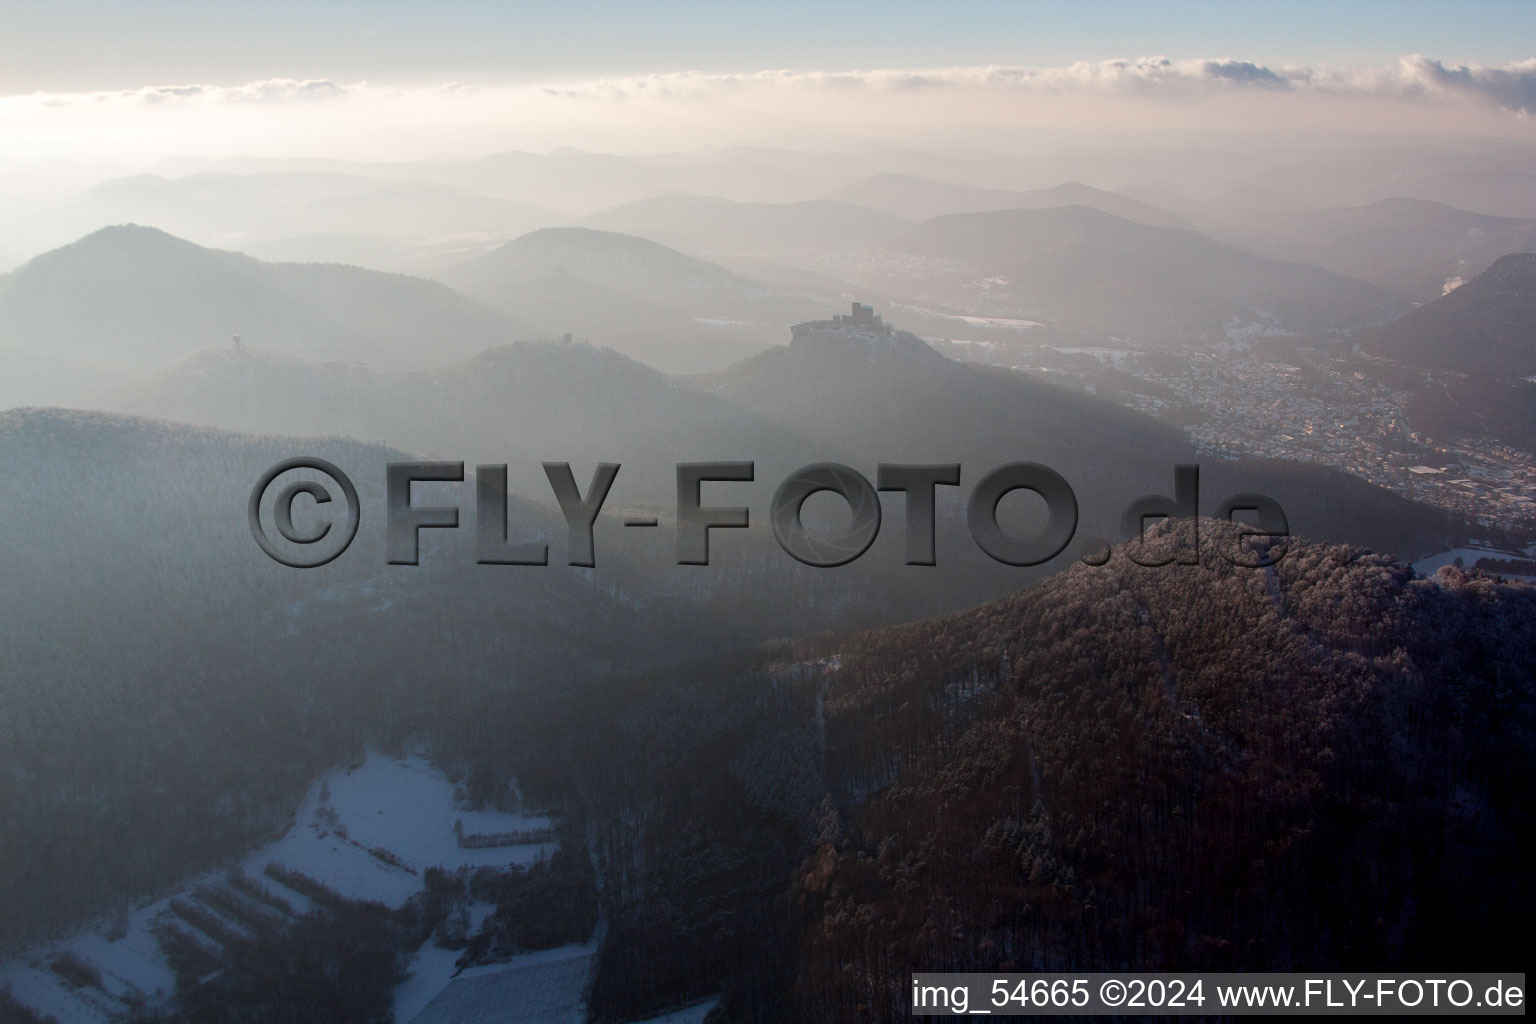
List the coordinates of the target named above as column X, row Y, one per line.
column 322, row 117
column 1415, row 77
column 1512, row 87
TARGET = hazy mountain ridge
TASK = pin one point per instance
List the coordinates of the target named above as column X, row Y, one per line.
column 276, row 205
column 665, row 337
column 373, row 251
column 1412, row 247
column 1498, row 193
column 587, row 181
column 133, row 298
column 710, row 222
column 707, row 306
column 899, row 400
column 822, row 398
column 636, row 266
column 921, row 199
column 1087, row 268
column 528, row 402
column 1486, row 326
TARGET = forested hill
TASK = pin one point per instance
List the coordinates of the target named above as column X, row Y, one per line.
column 175, row 717
column 1318, row 767
column 1198, row 767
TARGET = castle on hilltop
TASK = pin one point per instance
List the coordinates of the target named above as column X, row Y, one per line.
column 863, row 321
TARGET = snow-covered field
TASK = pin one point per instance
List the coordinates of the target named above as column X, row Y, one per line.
column 694, row 1014
column 403, row 807
column 547, row 987
column 366, row 832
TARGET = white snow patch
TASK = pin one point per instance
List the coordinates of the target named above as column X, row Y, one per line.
column 130, row 965
column 430, row 970
column 694, row 1014
column 401, row 807
column 547, row 987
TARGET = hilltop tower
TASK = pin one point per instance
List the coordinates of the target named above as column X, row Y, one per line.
column 860, row 321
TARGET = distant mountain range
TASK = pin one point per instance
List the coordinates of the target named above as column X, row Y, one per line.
column 1074, row 268
column 651, row 301
column 133, row 299
column 921, row 199
column 1089, row 269
column 520, row 404
column 343, row 214
column 128, row 300
column 156, row 299
column 638, row 267
column 665, row 337
column 584, row 182
column 228, row 207
column 1411, row 247
column 1490, row 178
column 1493, row 179
column 703, row 223
column 1504, row 193
column 421, row 258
